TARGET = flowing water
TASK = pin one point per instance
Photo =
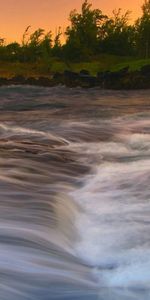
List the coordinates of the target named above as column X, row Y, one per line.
column 74, row 194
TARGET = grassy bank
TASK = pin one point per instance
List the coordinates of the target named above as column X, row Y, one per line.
column 102, row 63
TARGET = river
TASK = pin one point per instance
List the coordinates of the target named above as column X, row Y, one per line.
column 74, row 194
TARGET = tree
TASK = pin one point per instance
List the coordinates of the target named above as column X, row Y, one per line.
column 25, row 38
column 2, row 48
column 57, row 48
column 45, row 47
column 13, row 51
column 143, row 31
column 2, row 40
column 82, row 34
column 118, row 35
column 36, row 45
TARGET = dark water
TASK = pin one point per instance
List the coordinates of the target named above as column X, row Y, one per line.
column 74, row 194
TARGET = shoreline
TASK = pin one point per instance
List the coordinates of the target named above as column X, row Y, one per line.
column 119, row 80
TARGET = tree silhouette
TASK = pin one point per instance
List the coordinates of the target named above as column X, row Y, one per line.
column 82, row 34
column 143, row 31
column 89, row 34
column 118, row 36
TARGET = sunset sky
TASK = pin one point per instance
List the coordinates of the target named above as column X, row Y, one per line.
column 16, row 15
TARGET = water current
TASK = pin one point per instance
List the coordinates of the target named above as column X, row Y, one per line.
column 74, row 194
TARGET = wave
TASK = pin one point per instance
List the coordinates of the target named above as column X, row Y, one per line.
column 74, row 199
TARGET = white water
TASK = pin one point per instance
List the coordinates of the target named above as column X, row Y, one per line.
column 114, row 225
column 74, row 203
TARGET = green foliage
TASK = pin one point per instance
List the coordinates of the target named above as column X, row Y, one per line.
column 118, row 35
column 89, row 35
column 36, row 46
column 143, row 31
column 102, row 63
column 57, row 47
column 82, row 34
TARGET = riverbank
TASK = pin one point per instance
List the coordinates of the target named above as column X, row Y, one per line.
column 106, row 71
column 121, row 79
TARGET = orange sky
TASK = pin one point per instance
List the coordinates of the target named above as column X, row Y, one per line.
column 16, row 15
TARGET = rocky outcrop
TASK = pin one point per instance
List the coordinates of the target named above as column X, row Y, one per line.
column 125, row 79
column 122, row 79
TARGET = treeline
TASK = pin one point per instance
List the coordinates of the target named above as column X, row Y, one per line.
column 89, row 34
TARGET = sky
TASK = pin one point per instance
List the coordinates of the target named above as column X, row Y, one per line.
column 16, row 15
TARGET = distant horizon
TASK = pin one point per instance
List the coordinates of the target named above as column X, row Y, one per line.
column 49, row 15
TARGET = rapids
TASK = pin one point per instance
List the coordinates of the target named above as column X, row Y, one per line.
column 74, row 194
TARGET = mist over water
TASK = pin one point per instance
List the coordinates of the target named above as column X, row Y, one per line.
column 74, row 194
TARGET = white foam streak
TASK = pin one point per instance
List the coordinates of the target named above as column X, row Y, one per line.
column 114, row 225
column 29, row 132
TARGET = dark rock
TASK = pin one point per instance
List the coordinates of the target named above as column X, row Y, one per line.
column 71, row 75
column 31, row 81
column 4, row 81
column 145, row 70
column 102, row 77
column 57, row 77
column 124, row 71
column 44, row 81
column 87, row 80
column 18, row 79
column 84, row 72
column 71, row 79
column 118, row 74
column 112, row 80
column 133, row 80
column 122, row 79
